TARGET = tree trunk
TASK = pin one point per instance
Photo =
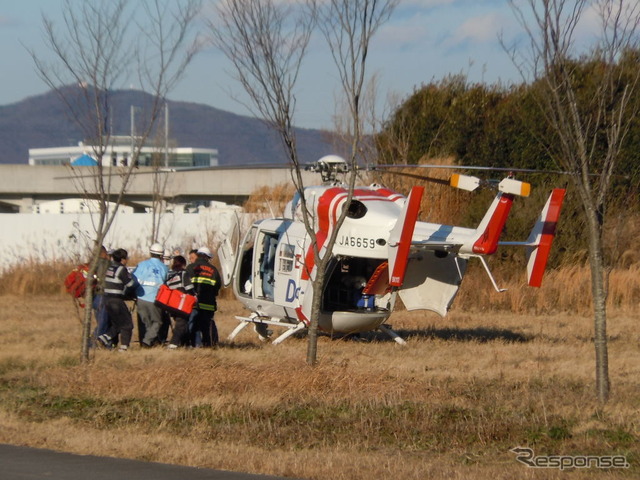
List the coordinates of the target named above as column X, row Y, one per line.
column 86, row 321
column 316, row 306
column 599, row 293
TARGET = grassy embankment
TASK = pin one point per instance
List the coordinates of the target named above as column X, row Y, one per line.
column 497, row 373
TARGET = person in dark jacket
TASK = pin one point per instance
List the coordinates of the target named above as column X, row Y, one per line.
column 179, row 279
column 118, row 282
column 206, row 281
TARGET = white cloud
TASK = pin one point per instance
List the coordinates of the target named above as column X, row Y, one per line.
column 425, row 3
column 484, row 28
column 409, row 31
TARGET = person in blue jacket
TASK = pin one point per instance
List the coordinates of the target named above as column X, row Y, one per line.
column 150, row 274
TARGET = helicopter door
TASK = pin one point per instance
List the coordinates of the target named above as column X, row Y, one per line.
column 228, row 250
column 244, row 271
column 267, row 265
column 227, row 260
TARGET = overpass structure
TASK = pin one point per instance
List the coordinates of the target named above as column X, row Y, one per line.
column 24, row 186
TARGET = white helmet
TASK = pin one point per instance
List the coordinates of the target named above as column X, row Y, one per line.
column 205, row 251
column 156, row 249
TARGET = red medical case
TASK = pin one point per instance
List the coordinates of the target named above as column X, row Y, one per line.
column 175, row 301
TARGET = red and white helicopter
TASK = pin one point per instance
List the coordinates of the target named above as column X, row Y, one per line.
column 381, row 251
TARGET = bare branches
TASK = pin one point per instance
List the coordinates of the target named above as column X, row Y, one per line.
column 98, row 48
column 266, row 42
column 552, row 61
column 589, row 123
column 348, row 27
column 166, row 46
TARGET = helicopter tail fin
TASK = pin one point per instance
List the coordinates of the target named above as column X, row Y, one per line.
column 539, row 243
column 492, row 225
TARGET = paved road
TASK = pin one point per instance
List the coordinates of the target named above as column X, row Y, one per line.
column 23, row 463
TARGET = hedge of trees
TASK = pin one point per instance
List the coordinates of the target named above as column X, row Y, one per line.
column 500, row 126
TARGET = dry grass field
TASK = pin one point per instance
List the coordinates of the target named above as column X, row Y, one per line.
column 451, row 404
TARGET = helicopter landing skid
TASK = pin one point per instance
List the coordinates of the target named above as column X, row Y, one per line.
column 397, row 338
column 260, row 326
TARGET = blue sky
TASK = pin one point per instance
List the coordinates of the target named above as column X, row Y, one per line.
column 424, row 40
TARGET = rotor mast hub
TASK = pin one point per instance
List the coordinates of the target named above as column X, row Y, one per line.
column 329, row 167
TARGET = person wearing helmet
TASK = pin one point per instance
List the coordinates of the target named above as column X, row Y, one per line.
column 206, row 281
column 166, row 257
column 150, row 274
column 178, row 279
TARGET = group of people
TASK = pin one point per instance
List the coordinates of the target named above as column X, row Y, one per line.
column 118, row 283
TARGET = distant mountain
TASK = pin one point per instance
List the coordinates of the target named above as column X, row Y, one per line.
column 43, row 121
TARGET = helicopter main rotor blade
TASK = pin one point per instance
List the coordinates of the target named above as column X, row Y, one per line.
column 475, row 167
column 439, row 181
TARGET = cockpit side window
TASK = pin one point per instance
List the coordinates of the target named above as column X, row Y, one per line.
column 287, row 255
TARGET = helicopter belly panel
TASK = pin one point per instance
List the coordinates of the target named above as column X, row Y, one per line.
column 432, row 282
column 352, row 322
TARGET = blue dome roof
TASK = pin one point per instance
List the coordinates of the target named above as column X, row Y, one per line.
column 84, row 161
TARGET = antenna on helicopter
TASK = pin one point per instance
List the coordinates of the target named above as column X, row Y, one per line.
column 329, row 167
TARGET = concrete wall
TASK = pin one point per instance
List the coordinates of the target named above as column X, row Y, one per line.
column 50, row 237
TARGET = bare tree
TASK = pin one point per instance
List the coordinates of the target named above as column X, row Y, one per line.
column 582, row 124
column 266, row 42
column 100, row 47
column 160, row 178
column 348, row 27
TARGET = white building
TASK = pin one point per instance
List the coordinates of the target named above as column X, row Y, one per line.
column 119, row 153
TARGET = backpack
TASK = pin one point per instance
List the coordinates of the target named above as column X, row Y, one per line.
column 76, row 280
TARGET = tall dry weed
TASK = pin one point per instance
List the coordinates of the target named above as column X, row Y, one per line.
column 269, row 200
column 566, row 289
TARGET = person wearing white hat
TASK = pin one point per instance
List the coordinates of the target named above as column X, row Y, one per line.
column 150, row 273
column 206, row 280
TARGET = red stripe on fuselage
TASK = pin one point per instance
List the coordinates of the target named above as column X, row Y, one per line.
column 324, row 205
column 327, row 214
